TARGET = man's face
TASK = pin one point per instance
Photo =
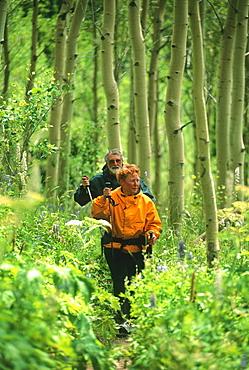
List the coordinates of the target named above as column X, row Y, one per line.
column 114, row 163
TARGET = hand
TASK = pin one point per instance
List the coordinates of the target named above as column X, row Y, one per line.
column 85, row 181
column 152, row 238
column 107, row 193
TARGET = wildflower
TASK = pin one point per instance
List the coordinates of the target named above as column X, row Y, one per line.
column 190, row 255
column 73, row 223
column 161, row 268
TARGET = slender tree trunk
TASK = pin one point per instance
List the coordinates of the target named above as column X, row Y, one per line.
column 3, row 16
column 203, row 143
column 132, row 139
column 157, row 156
column 238, row 92
column 109, row 83
column 32, row 70
column 6, row 53
column 153, row 94
column 140, row 89
column 153, row 71
column 33, row 55
column 55, row 117
column 95, row 77
column 224, row 98
column 246, row 126
column 173, row 114
column 68, row 103
column 144, row 15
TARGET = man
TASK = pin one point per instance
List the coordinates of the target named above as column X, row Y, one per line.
column 135, row 224
column 113, row 163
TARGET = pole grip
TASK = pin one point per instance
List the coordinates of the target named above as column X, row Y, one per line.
column 108, row 185
column 88, row 190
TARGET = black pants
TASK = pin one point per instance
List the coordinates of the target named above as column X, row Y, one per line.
column 122, row 266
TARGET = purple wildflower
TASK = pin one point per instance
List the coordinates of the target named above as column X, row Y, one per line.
column 161, row 268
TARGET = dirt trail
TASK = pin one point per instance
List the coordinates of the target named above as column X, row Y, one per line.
column 123, row 363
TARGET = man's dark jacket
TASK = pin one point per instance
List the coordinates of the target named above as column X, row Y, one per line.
column 98, row 183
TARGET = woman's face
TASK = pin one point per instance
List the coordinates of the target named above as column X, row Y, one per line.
column 131, row 184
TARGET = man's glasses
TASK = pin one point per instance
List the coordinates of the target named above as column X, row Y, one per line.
column 112, row 161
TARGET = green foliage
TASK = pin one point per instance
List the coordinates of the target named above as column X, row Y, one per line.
column 21, row 119
column 57, row 309
column 171, row 332
column 43, row 318
column 85, row 153
column 48, row 276
column 187, row 317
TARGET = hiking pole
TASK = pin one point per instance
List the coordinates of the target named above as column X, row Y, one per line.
column 108, row 185
column 149, row 248
column 88, row 190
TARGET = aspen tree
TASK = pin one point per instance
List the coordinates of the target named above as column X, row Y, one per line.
column 224, row 97
column 33, row 51
column 109, row 82
column 55, row 116
column 202, row 134
column 132, row 136
column 238, row 92
column 246, row 117
column 6, row 56
column 95, row 72
column 144, row 15
column 3, row 16
column 32, row 69
column 68, row 102
column 153, row 70
column 140, row 89
column 173, row 113
column 153, row 91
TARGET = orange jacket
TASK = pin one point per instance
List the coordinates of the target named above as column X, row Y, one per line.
column 131, row 216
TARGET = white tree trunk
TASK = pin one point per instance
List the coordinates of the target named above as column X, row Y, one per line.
column 68, row 103
column 238, row 92
column 173, row 114
column 224, row 98
column 140, row 90
column 55, row 116
column 109, row 83
column 202, row 134
column 3, row 15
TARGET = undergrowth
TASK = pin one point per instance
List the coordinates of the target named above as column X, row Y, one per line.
column 58, row 311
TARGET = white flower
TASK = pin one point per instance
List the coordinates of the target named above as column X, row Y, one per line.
column 74, row 223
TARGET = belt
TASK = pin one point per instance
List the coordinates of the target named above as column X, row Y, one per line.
column 107, row 239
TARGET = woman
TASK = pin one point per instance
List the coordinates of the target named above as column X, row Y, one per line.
column 135, row 224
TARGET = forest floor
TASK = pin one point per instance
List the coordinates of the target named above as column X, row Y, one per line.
column 123, row 363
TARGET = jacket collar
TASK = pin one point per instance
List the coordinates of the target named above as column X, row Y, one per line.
column 133, row 196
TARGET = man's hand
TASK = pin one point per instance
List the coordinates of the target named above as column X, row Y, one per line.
column 85, row 181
